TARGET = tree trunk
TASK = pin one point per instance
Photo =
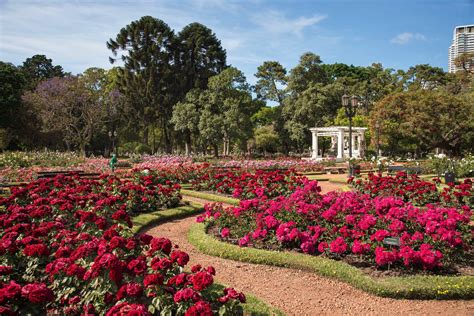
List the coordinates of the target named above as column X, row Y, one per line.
column 187, row 143
column 82, row 148
column 216, row 150
column 145, row 135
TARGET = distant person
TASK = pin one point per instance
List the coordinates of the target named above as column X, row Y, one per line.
column 113, row 162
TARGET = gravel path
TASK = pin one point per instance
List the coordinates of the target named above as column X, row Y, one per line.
column 298, row 292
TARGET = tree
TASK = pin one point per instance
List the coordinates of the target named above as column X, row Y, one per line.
column 227, row 108
column 424, row 77
column 148, row 78
column 38, row 68
column 186, row 116
column 201, row 56
column 266, row 138
column 419, row 121
column 12, row 83
column 315, row 106
column 465, row 61
column 272, row 80
column 308, row 71
column 67, row 106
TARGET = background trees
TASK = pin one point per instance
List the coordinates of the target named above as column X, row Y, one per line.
column 174, row 92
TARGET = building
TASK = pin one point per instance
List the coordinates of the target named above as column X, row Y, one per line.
column 463, row 42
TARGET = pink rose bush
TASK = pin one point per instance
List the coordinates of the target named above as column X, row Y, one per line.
column 66, row 248
column 245, row 185
column 347, row 224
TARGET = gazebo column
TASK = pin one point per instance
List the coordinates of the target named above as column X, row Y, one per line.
column 361, row 143
column 340, row 144
column 315, row 145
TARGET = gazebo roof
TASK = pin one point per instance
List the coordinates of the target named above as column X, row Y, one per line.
column 336, row 129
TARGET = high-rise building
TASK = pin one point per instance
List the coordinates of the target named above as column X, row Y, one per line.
column 463, row 42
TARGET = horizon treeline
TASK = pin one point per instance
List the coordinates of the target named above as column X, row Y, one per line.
column 174, row 92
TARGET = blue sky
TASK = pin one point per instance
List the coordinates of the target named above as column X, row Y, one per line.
column 394, row 32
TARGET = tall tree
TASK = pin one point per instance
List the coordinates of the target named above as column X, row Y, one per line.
column 271, row 82
column 308, row 71
column 12, row 83
column 38, row 68
column 148, row 78
column 424, row 77
column 186, row 115
column 227, row 108
column 201, row 56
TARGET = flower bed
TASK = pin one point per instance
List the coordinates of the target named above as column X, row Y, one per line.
column 411, row 188
column 246, row 185
column 346, row 226
column 67, row 248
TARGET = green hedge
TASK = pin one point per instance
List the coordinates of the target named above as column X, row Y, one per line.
column 146, row 220
column 254, row 306
column 211, row 197
column 410, row 287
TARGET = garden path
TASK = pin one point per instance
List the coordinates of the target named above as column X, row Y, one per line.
column 297, row 292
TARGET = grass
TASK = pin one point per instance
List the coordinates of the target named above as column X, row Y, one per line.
column 146, row 220
column 409, row 287
column 211, row 197
column 254, row 306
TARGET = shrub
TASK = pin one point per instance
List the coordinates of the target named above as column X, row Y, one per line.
column 341, row 224
column 67, row 247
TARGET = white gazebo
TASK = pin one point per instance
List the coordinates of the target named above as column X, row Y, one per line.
column 340, row 140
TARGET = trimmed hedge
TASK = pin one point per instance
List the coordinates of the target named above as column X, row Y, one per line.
column 211, row 197
column 253, row 306
column 145, row 220
column 410, row 287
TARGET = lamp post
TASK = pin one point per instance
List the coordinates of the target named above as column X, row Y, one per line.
column 113, row 135
column 349, row 104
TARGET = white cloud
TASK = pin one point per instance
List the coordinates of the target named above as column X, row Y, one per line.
column 276, row 22
column 406, row 37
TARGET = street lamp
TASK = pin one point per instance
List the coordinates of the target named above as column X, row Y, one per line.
column 113, row 135
column 350, row 105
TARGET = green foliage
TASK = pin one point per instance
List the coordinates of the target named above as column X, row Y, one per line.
column 39, row 68
column 266, row 138
column 412, row 287
column 12, row 83
column 271, row 78
column 210, row 197
column 17, row 159
column 421, row 120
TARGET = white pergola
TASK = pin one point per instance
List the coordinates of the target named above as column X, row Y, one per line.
column 340, row 138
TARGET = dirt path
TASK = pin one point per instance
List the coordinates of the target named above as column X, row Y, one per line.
column 298, row 292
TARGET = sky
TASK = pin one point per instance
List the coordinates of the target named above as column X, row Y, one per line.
column 396, row 33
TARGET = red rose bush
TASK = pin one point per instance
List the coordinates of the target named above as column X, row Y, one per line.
column 67, row 248
column 349, row 224
column 411, row 188
column 245, row 185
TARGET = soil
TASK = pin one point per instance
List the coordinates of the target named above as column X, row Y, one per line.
column 297, row 292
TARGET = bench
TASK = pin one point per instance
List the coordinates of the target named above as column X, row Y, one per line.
column 409, row 170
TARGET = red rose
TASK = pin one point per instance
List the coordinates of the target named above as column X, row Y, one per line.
column 180, row 257
column 37, row 293
column 201, row 308
column 202, row 280
column 152, row 279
